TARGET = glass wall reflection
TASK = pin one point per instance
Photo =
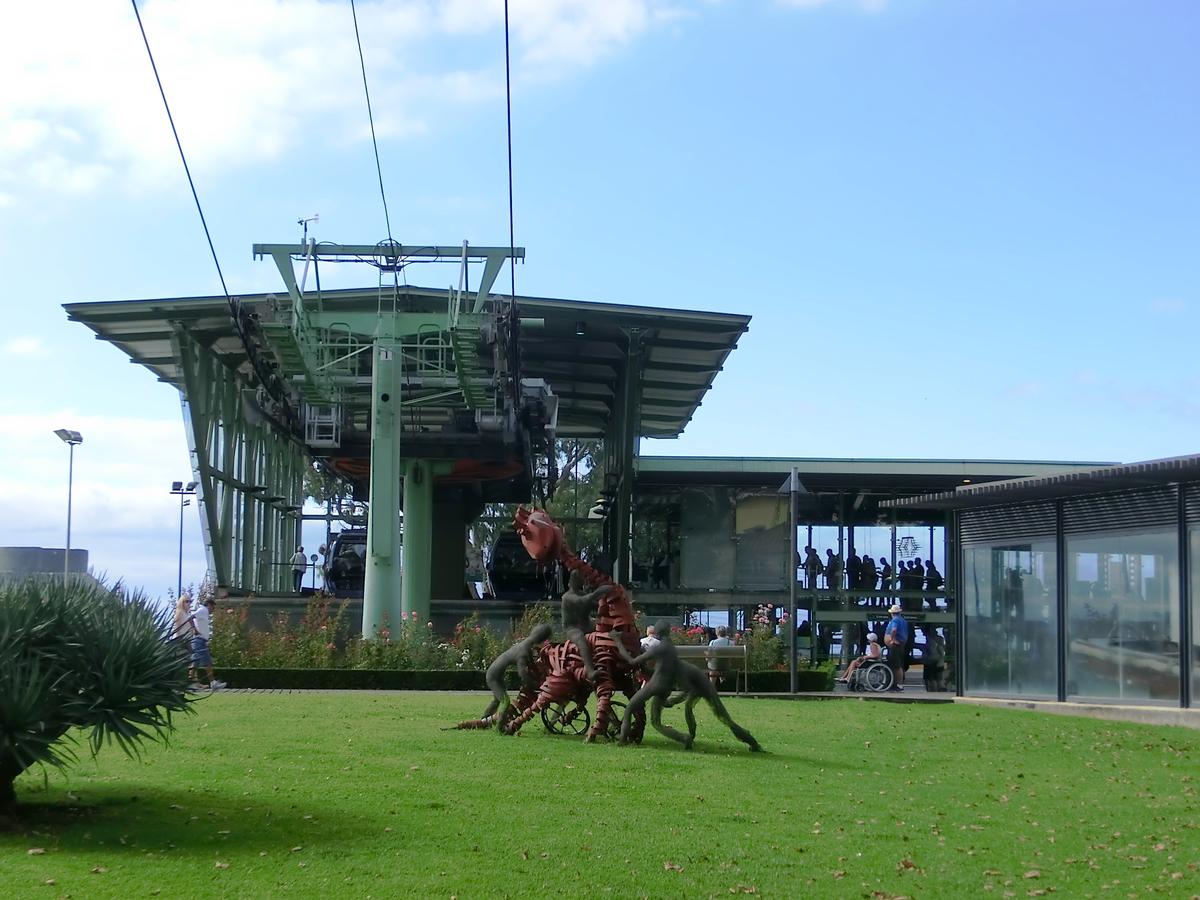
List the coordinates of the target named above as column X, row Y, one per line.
column 1123, row 616
column 1011, row 606
column 1194, row 568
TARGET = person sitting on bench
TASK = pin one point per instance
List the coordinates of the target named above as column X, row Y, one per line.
column 718, row 667
column 874, row 652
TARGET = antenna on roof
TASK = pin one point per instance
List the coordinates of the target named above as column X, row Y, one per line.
column 303, row 223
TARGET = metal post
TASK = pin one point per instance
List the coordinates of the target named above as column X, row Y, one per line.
column 792, row 525
column 416, row 585
column 179, row 576
column 382, row 584
column 70, row 488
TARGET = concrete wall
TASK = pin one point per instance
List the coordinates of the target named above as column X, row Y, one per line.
column 22, row 562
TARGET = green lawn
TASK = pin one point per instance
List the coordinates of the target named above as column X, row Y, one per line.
column 357, row 795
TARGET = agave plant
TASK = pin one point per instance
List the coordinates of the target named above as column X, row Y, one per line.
column 82, row 656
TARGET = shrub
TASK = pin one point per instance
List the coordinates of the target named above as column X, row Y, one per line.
column 82, row 656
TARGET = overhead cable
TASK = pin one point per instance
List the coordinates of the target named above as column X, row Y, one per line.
column 371, row 118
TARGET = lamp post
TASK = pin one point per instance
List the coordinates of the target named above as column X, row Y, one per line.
column 70, row 438
column 188, row 490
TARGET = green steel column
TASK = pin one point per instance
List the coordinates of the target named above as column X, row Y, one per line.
column 381, row 591
column 418, row 538
column 629, row 425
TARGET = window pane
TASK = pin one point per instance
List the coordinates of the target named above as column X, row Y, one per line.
column 1194, row 560
column 1123, row 616
column 1011, row 607
column 707, row 548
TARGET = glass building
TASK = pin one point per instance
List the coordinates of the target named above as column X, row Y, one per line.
column 1079, row 587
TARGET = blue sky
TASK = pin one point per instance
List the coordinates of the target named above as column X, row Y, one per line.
column 963, row 229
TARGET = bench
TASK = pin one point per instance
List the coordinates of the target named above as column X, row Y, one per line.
column 694, row 652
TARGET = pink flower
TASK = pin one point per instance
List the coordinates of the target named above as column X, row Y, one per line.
column 477, row 629
column 414, row 615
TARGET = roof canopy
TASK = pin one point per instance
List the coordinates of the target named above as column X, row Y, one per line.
column 580, row 350
column 1089, row 481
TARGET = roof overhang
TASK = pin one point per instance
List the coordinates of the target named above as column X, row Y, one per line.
column 1097, row 479
column 580, row 348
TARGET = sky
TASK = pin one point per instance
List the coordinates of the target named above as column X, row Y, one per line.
column 963, row 229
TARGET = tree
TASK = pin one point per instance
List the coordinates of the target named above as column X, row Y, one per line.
column 82, row 656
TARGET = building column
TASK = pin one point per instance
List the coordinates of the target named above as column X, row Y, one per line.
column 381, row 590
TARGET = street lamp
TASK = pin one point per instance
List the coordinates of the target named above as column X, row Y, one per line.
column 70, row 438
column 183, row 490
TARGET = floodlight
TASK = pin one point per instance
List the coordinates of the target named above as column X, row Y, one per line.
column 69, row 437
column 176, row 486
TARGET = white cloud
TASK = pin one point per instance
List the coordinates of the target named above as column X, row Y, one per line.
column 249, row 79
column 23, row 346
column 865, row 5
column 1168, row 306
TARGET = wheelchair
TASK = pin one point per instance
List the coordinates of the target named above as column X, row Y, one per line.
column 873, row 677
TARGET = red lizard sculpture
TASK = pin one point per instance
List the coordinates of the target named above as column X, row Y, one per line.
column 543, row 540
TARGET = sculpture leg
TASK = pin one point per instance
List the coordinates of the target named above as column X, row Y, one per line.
column 575, row 636
column 689, row 715
column 738, row 732
column 636, row 705
column 604, row 693
column 656, row 708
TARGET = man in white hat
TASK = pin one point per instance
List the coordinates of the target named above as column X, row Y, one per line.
column 896, row 640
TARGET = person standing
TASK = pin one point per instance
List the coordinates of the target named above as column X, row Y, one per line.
column 812, row 568
column 201, row 655
column 933, row 582
column 833, row 570
column 895, row 638
column 299, row 565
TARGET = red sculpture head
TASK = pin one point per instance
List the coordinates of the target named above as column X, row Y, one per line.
column 539, row 533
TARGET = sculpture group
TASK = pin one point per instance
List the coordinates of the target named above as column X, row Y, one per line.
column 601, row 654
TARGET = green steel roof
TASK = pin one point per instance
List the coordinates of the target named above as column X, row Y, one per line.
column 894, row 476
column 685, row 349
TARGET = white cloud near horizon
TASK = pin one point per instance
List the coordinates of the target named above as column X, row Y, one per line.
column 247, row 79
column 23, row 345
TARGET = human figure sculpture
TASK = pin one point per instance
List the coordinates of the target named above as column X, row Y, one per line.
column 524, row 655
column 671, row 672
column 577, row 609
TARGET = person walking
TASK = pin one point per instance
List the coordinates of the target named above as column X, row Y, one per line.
column 299, row 565
column 201, row 655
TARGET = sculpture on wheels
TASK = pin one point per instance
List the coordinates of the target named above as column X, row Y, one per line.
column 526, row 657
column 597, row 657
column 669, row 673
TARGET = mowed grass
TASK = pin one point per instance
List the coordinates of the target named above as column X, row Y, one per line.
column 364, row 795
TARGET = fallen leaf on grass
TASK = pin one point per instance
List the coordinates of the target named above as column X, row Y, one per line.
column 906, row 865
column 99, row 870
column 220, row 865
column 50, row 881
column 1037, row 892
column 1032, row 873
column 672, row 867
column 297, row 849
column 995, row 871
column 743, row 889
column 36, row 851
column 839, row 874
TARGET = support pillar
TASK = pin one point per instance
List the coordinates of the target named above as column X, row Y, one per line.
column 418, row 538
column 381, row 589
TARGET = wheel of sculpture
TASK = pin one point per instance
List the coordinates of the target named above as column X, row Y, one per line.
column 617, row 711
column 566, row 718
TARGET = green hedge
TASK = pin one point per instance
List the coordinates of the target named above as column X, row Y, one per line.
column 454, row 680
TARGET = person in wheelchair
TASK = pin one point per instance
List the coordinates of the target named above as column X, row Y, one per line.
column 874, row 652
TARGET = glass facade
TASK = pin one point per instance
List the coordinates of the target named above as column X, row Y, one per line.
column 1194, row 568
column 1123, row 615
column 1010, row 606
